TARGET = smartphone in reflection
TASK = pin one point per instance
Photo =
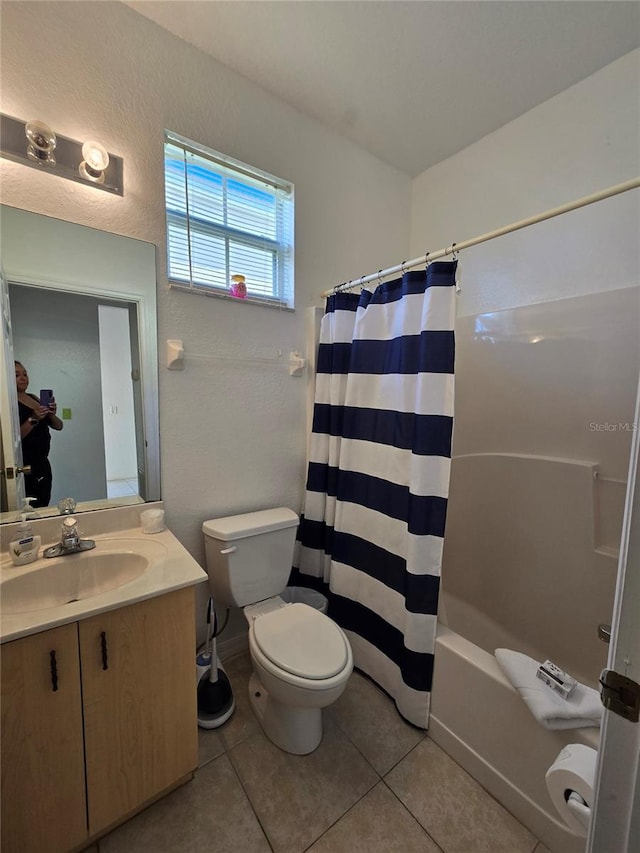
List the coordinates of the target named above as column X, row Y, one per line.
column 46, row 397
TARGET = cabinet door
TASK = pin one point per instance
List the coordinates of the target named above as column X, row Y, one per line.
column 139, row 696
column 43, row 787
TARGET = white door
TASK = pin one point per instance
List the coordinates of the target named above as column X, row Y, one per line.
column 138, row 405
column 12, row 478
column 117, row 401
column 615, row 826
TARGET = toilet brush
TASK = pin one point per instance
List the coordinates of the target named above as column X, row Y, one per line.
column 215, row 696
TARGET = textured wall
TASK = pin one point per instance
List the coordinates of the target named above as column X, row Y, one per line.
column 533, row 380
column 585, row 139
column 232, row 435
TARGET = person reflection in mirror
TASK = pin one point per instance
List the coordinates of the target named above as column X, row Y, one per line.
column 35, row 422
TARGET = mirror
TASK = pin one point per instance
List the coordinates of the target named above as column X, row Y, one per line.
column 79, row 311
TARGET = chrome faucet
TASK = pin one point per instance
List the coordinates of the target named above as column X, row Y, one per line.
column 67, row 506
column 69, row 534
column 70, row 541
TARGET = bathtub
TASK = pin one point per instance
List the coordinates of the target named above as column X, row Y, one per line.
column 481, row 722
column 506, row 586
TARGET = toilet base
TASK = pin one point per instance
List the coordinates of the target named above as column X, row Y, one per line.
column 294, row 730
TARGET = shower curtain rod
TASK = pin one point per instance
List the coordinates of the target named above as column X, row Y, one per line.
column 634, row 183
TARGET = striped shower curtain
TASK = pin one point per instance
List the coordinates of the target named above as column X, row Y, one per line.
column 371, row 532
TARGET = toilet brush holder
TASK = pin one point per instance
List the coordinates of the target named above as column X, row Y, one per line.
column 202, row 668
column 216, row 702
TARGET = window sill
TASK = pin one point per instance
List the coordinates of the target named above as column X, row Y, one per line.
column 218, row 293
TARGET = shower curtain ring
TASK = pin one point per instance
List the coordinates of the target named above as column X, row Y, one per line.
column 426, row 259
column 454, row 251
column 402, row 267
column 380, row 276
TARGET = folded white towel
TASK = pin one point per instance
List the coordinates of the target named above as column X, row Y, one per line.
column 582, row 708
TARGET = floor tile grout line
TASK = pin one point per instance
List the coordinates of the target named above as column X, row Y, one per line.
column 487, row 792
column 337, row 820
column 409, row 812
column 473, row 779
column 333, row 716
column 381, row 777
column 246, row 793
column 213, row 757
column 357, row 749
column 406, row 755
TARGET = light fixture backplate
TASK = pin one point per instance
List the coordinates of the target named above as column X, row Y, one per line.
column 68, row 156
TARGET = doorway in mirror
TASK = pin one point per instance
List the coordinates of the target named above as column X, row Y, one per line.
column 81, row 316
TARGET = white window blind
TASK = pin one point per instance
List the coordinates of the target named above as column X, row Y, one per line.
column 225, row 218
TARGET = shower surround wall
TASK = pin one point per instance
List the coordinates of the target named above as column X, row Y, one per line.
column 530, row 554
column 547, row 362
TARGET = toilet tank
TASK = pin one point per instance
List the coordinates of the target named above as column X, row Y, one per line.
column 249, row 556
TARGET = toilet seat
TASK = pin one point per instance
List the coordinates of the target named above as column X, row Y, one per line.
column 301, row 641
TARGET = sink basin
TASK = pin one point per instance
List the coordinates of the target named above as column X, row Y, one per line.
column 63, row 580
column 127, row 566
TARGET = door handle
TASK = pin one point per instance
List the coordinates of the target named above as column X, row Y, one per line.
column 53, row 664
column 11, row 473
column 103, row 648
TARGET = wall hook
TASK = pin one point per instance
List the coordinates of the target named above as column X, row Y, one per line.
column 175, row 354
column 296, row 364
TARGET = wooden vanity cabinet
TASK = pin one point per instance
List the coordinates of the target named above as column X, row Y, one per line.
column 140, row 717
column 124, row 714
column 43, row 786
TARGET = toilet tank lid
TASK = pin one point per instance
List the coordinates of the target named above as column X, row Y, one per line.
column 249, row 523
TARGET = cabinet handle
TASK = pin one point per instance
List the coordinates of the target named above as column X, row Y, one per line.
column 54, row 670
column 103, row 645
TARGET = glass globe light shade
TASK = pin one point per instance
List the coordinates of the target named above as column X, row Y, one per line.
column 96, row 160
column 42, row 141
column 95, row 156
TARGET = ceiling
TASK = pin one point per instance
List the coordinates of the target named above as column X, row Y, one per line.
column 411, row 82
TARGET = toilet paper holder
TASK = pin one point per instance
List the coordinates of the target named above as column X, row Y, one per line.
column 570, row 782
column 578, row 808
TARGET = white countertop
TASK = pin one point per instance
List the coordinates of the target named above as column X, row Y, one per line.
column 170, row 567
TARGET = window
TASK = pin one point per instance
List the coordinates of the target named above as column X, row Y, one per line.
column 225, row 218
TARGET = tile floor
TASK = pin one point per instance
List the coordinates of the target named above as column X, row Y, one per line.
column 374, row 785
column 122, row 488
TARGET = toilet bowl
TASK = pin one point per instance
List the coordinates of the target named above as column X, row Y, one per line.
column 301, row 659
column 301, row 663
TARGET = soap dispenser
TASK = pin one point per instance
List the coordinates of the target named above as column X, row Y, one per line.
column 25, row 547
column 27, row 510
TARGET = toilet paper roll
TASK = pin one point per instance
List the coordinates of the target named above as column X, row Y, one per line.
column 573, row 770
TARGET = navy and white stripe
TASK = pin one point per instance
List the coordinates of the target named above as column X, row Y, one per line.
column 372, row 529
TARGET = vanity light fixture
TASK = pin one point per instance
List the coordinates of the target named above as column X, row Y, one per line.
column 89, row 163
column 41, row 143
column 96, row 160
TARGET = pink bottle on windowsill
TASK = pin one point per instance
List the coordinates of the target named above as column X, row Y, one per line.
column 238, row 288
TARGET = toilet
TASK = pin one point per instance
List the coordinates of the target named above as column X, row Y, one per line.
column 301, row 659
